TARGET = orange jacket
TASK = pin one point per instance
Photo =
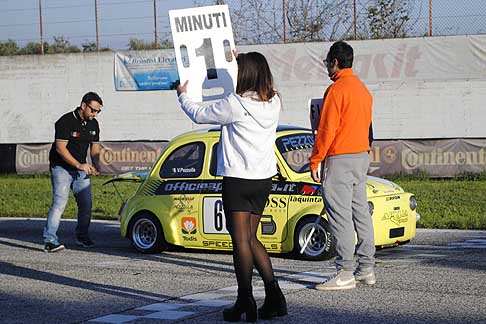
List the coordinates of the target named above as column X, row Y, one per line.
column 345, row 118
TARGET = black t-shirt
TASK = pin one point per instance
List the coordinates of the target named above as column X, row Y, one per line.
column 78, row 134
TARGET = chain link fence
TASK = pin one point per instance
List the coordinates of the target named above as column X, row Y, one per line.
column 143, row 24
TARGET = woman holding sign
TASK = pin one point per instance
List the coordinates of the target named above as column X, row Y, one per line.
column 247, row 162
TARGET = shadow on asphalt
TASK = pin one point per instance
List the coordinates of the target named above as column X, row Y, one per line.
column 106, row 236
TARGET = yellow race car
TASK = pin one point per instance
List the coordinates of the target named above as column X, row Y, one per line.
column 179, row 201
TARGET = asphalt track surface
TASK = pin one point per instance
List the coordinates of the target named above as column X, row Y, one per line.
column 440, row 277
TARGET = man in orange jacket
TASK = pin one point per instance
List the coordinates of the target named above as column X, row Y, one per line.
column 342, row 144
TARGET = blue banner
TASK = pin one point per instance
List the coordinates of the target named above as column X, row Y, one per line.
column 145, row 70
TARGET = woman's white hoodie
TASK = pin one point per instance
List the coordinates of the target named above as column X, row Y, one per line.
column 248, row 131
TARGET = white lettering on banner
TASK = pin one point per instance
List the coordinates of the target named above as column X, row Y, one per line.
column 27, row 159
column 109, row 156
column 200, row 22
column 412, row 160
column 291, row 63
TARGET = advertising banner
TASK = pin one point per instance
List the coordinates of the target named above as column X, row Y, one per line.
column 435, row 158
column 145, row 70
column 115, row 158
column 203, row 44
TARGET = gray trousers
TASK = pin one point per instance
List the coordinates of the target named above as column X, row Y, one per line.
column 346, row 205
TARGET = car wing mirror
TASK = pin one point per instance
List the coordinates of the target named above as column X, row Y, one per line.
column 279, row 177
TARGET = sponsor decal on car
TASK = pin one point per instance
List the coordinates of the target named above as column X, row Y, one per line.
column 188, row 225
column 182, row 202
column 396, row 216
column 183, row 170
column 306, row 199
column 296, row 142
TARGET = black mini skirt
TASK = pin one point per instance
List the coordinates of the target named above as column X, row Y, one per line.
column 245, row 194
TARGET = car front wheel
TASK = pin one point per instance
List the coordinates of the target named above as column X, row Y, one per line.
column 146, row 234
column 321, row 244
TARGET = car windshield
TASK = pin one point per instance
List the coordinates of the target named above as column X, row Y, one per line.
column 296, row 150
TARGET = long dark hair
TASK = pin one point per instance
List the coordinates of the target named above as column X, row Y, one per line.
column 254, row 75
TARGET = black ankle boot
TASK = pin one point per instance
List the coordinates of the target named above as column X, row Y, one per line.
column 274, row 304
column 244, row 304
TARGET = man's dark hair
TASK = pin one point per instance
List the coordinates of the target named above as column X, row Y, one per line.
column 343, row 52
column 91, row 96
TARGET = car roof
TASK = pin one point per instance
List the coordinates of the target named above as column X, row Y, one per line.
column 215, row 130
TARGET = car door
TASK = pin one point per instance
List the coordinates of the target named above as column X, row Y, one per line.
column 272, row 227
column 181, row 175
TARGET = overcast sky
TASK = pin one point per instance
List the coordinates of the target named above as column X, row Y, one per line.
column 120, row 20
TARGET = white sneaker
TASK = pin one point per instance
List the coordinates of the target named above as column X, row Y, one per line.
column 368, row 278
column 342, row 281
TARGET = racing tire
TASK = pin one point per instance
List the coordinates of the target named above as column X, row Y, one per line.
column 146, row 234
column 322, row 244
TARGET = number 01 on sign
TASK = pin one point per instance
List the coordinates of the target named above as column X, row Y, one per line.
column 203, row 44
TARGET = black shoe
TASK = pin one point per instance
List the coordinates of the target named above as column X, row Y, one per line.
column 245, row 305
column 274, row 304
column 84, row 242
column 53, row 247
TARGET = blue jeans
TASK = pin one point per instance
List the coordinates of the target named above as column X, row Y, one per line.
column 63, row 182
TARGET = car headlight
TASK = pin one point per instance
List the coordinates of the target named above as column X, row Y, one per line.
column 413, row 203
column 371, row 207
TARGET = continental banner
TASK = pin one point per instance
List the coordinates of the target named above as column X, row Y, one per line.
column 437, row 158
column 115, row 157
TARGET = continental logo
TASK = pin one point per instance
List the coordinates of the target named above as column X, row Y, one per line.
column 29, row 158
column 412, row 160
column 110, row 156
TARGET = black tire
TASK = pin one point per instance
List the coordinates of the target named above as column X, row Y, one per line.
column 146, row 234
column 321, row 245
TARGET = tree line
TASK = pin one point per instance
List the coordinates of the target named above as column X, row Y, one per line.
column 306, row 20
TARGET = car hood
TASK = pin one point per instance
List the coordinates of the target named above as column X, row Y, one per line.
column 375, row 186
column 380, row 186
column 134, row 176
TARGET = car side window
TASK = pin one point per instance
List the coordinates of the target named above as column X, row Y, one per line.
column 184, row 162
column 213, row 165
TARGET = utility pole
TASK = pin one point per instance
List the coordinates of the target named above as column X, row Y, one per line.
column 355, row 17
column 155, row 25
column 96, row 21
column 41, row 33
column 430, row 17
column 283, row 22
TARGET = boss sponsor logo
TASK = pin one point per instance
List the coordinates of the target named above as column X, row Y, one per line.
column 392, row 198
column 276, row 202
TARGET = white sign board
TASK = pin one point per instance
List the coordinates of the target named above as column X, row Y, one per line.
column 203, row 43
column 315, row 107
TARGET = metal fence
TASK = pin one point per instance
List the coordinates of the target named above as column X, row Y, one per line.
column 112, row 23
